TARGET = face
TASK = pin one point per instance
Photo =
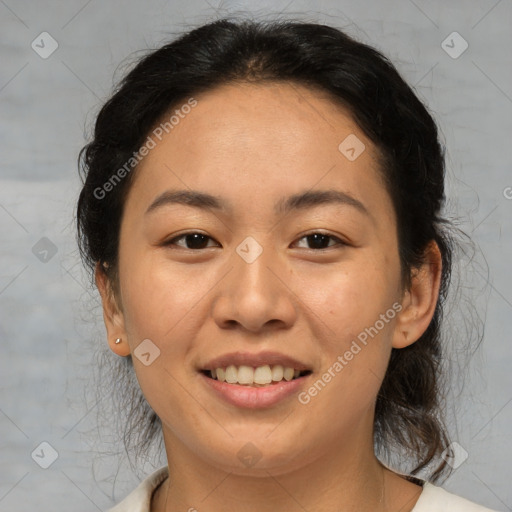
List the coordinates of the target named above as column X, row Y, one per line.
column 293, row 263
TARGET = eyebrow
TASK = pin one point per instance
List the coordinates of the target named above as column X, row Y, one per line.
column 300, row 201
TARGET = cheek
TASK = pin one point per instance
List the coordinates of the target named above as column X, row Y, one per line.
column 161, row 304
column 159, row 301
column 352, row 298
column 354, row 324
column 354, row 334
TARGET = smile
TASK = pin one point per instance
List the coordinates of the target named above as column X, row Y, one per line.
column 265, row 375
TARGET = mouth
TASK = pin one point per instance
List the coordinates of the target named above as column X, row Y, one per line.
column 259, row 376
column 255, row 380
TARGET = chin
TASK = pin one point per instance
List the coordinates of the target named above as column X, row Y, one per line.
column 255, row 456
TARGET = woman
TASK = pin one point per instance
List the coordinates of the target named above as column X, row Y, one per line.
column 262, row 211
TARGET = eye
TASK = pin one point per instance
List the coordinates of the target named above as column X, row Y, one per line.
column 319, row 240
column 193, row 240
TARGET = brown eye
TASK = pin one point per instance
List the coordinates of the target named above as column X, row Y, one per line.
column 320, row 241
column 193, row 241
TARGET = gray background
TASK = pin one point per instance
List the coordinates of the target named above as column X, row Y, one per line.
column 50, row 323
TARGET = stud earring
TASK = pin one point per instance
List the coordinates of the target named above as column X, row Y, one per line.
column 118, row 341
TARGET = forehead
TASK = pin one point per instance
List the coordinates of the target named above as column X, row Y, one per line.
column 276, row 115
column 264, row 139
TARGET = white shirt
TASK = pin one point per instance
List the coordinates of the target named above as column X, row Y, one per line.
column 432, row 498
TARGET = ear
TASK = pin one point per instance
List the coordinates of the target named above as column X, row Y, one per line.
column 112, row 314
column 419, row 302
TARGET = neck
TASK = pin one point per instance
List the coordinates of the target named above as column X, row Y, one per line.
column 346, row 478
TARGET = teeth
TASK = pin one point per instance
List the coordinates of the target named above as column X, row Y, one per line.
column 245, row 375
column 231, row 375
column 263, row 375
column 277, row 372
column 260, row 376
column 288, row 374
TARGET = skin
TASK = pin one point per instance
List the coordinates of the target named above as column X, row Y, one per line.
column 252, row 145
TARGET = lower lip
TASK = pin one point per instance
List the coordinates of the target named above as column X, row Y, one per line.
column 255, row 397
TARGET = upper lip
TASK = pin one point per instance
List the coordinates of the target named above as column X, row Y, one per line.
column 255, row 360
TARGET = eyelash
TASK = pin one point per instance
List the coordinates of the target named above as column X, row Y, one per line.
column 183, row 235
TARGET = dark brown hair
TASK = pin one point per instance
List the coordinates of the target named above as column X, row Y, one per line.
column 408, row 414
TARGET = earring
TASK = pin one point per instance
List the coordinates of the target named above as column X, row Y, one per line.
column 118, row 341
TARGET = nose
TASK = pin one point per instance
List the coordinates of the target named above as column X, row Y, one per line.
column 256, row 296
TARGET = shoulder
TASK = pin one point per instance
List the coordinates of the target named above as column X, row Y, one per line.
column 139, row 500
column 436, row 499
